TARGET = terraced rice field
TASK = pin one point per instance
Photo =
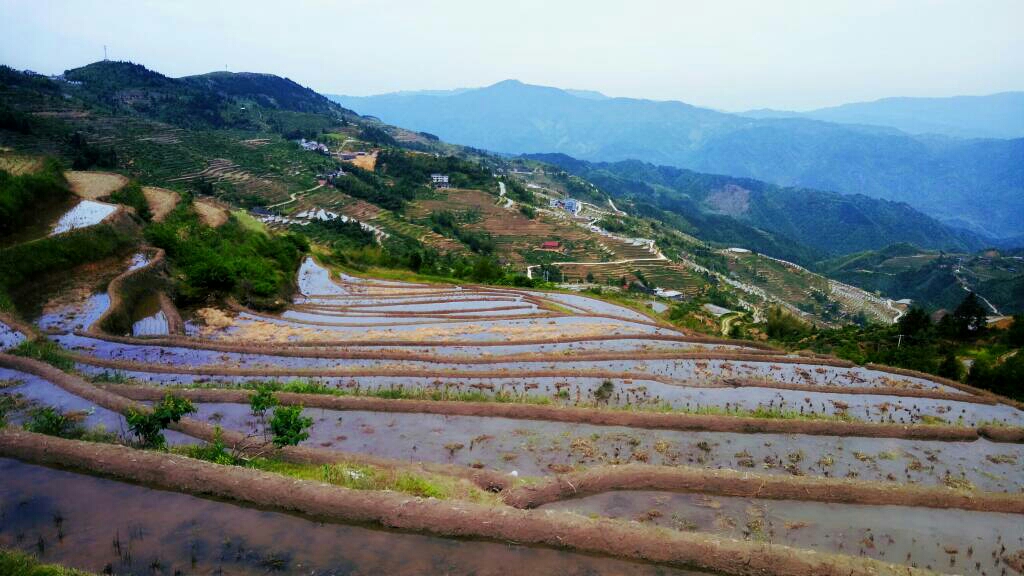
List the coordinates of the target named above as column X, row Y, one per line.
column 161, row 201
column 94, row 185
column 514, row 233
column 17, row 164
column 565, row 425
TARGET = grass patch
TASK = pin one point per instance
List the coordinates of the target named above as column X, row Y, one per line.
column 131, row 195
column 306, row 387
column 45, row 351
column 347, row 475
column 18, row 563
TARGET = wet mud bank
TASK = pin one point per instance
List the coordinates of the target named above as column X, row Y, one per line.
column 127, row 290
column 732, row 483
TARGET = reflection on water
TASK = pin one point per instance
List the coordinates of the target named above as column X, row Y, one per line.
column 147, row 317
column 97, row 525
column 85, row 213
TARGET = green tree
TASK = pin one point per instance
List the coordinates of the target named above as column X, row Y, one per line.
column 781, row 325
column 260, row 402
column 915, row 321
column 148, row 425
column 970, row 317
column 950, row 366
column 1015, row 334
column 289, row 425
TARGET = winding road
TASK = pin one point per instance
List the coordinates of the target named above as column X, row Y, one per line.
column 501, row 192
column 294, row 196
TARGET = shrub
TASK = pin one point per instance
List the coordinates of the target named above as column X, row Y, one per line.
column 289, row 425
column 148, row 425
column 604, row 391
column 260, row 402
column 781, row 325
column 18, row 563
column 27, row 191
column 52, row 422
column 214, row 451
column 131, row 195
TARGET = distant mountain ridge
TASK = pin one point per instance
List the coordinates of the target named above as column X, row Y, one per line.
column 975, row 184
column 990, row 116
column 827, row 223
column 212, row 99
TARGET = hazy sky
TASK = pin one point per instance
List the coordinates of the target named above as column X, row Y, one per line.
column 730, row 55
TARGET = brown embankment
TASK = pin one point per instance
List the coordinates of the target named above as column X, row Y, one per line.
column 412, row 372
column 747, row 485
column 411, row 318
column 175, row 325
column 268, row 347
column 357, row 307
column 342, row 353
column 28, row 330
column 125, row 290
column 1009, row 434
column 602, row 417
column 876, row 390
column 438, row 517
column 486, row 479
column 952, row 383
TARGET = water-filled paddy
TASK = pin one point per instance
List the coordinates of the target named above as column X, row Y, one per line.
column 947, row 541
column 9, row 337
column 92, row 523
column 532, row 447
column 83, row 214
column 636, row 393
column 148, row 318
column 30, row 392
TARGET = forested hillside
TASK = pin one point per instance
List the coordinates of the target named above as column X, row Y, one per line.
column 744, row 211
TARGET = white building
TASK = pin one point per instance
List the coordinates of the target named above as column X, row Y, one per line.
column 439, row 180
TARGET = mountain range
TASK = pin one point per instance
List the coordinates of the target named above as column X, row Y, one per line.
column 797, row 224
column 991, row 116
column 977, row 184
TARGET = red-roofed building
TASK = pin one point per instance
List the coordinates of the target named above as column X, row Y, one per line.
column 551, row 245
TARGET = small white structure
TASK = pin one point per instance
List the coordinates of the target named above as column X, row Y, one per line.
column 670, row 294
column 439, row 180
column 716, row 310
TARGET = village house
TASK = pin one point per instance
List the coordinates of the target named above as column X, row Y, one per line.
column 313, row 146
column 570, row 205
column 439, row 180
